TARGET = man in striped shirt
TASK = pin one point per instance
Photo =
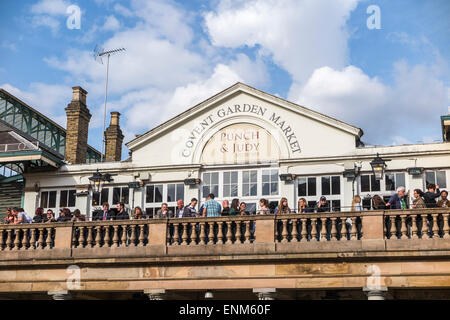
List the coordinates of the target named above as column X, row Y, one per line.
column 211, row 207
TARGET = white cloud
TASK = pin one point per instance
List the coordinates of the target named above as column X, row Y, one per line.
column 111, row 24
column 49, row 99
column 386, row 113
column 46, row 21
column 254, row 72
column 301, row 36
column 9, row 45
column 50, row 7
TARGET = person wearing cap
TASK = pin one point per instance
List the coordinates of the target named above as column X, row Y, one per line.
column 322, row 205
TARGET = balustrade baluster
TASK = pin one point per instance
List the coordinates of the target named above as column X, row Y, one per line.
column 238, row 232
column 247, row 233
column 314, row 229
column 89, row 237
column 33, row 239
column 284, row 232
column 202, row 233
column 124, row 236
column 353, row 230
column 435, row 228
column 107, row 239
column 48, row 239
column 220, row 237
column 74, row 237
column 195, row 233
column 414, row 228
column 98, row 237
column 24, row 241
column 446, row 218
column 184, row 236
column 17, row 239
column 116, row 235
column 41, row 238
column 82, row 237
column 133, row 235
column 141, row 239
column 2, row 240
column 176, row 234
column 425, row 227
column 211, row 233
column 304, row 232
column 403, row 228
column 229, row 234
column 333, row 232
column 294, row 230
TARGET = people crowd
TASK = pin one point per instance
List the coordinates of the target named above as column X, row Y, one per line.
column 212, row 208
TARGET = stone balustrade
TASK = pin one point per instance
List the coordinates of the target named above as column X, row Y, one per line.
column 419, row 224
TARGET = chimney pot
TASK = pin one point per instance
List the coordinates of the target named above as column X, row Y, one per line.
column 115, row 118
column 79, row 94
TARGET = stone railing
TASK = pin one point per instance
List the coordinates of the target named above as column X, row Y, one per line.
column 315, row 231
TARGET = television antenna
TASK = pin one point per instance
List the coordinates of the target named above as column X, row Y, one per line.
column 99, row 53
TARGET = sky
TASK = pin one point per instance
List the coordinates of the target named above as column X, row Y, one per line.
column 385, row 70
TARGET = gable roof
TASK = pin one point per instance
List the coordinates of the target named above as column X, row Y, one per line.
column 232, row 90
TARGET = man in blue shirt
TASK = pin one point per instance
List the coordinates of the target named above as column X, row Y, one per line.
column 211, row 207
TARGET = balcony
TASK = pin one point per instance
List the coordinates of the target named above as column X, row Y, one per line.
column 410, row 248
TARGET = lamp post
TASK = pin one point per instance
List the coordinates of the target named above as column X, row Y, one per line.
column 353, row 174
column 378, row 166
column 95, row 182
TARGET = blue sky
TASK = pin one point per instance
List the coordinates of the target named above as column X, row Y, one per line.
column 392, row 82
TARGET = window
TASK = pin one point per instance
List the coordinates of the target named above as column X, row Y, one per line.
column 436, row 177
column 120, row 194
column 249, row 183
column 270, row 182
column 154, row 193
column 394, row 180
column 99, row 198
column 175, row 192
column 335, row 205
column 48, row 199
column 307, row 187
column 67, row 198
column 210, row 183
column 331, row 185
column 369, row 183
column 230, row 184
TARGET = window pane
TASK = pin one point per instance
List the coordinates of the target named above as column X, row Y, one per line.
column 302, row 187
column 44, row 199
column 206, row 178
column 116, row 195
column 245, row 176
column 365, row 184
column 234, row 177
column 274, row 176
column 254, row 176
column 226, row 191
column 180, row 191
column 399, row 180
column 95, row 199
column 170, row 193
column 429, row 178
column 215, row 178
column 265, row 176
column 251, row 208
column 71, row 201
column 149, row 195
column 390, row 185
column 105, row 195
column 234, row 190
column 326, row 185
column 253, row 189
column 265, row 189
column 206, row 191
column 274, row 188
column 63, row 198
column 374, row 183
column 215, row 190
column 312, row 187
column 125, row 195
column 245, row 190
column 226, row 177
column 336, row 185
column 52, row 199
column 158, row 193
column 441, row 179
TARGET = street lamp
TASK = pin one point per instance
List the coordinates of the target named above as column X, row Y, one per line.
column 378, row 166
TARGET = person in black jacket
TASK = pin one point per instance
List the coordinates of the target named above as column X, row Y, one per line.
column 430, row 196
column 121, row 213
column 39, row 216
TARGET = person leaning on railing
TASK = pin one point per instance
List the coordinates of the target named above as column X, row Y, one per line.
column 9, row 218
column 163, row 213
column 418, row 202
column 50, row 217
column 264, row 207
column 39, row 215
column 444, row 202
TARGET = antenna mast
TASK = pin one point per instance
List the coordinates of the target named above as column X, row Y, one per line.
column 98, row 54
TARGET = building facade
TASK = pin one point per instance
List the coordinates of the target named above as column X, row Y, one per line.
column 247, row 144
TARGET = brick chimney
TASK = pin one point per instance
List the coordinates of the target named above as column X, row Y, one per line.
column 78, row 117
column 114, row 139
